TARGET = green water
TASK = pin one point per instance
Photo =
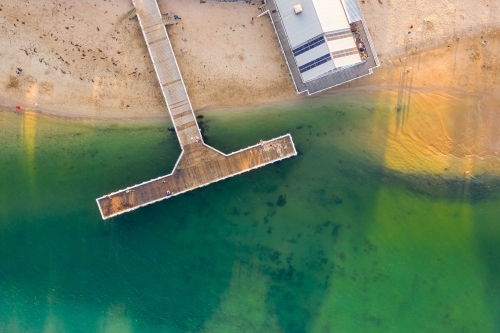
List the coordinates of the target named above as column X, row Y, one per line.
column 328, row 241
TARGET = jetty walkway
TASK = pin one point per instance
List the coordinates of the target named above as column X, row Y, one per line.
column 199, row 164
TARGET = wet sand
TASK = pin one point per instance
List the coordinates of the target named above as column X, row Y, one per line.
column 324, row 242
column 443, row 134
column 88, row 59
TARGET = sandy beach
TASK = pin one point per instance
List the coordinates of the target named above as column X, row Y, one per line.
column 386, row 221
column 86, row 58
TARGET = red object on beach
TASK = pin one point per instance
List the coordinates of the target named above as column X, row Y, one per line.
column 18, row 107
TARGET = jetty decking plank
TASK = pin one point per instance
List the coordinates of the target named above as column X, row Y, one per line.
column 199, row 164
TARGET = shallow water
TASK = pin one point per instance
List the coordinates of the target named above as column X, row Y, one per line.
column 336, row 239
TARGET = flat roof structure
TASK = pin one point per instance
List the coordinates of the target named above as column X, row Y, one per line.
column 325, row 42
column 199, row 164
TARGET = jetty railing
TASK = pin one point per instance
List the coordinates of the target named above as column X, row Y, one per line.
column 199, row 164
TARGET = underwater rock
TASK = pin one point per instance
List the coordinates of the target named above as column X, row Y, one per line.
column 281, row 200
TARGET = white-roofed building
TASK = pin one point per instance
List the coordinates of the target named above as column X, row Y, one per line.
column 325, row 42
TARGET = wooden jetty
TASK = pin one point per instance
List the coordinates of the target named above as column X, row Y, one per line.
column 199, row 164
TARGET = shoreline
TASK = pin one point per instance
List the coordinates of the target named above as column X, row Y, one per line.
column 97, row 65
column 424, row 150
column 105, row 73
column 11, row 105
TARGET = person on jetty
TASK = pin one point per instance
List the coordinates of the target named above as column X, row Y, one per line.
column 261, row 143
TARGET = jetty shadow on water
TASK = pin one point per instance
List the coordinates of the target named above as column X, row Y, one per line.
column 58, row 258
column 347, row 236
column 304, row 228
column 421, row 214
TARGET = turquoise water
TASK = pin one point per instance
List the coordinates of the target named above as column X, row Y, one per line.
column 328, row 241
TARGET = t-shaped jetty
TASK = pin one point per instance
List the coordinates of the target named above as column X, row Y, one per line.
column 199, row 164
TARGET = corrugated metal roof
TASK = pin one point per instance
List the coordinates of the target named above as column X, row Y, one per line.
column 330, row 18
column 309, row 45
column 311, row 54
column 347, row 61
column 299, row 27
column 315, row 63
column 341, row 44
column 352, row 10
column 317, row 71
column 317, row 16
column 325, row 78
column 331, row 15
